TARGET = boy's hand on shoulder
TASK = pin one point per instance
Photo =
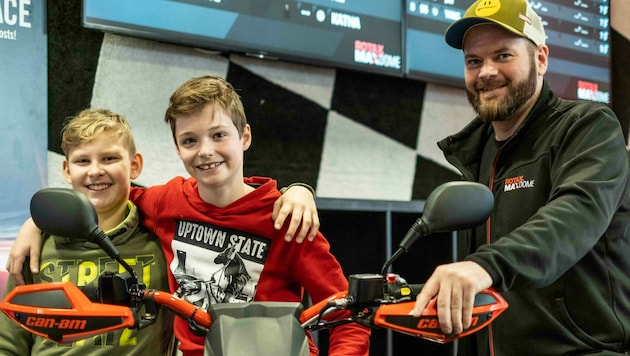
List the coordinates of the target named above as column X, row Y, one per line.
column 297, row 202
column 27, row 243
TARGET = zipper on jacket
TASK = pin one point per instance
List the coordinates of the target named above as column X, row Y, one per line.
column 491, row 186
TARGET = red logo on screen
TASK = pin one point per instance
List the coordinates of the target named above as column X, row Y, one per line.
column 374, row 54
column 590, row 91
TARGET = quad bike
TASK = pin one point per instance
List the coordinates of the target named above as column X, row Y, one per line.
column 63, row 313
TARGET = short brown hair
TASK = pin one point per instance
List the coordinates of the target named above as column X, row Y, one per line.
column 196, row 93
column 90, row 123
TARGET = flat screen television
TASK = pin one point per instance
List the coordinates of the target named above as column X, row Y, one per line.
column 577, row 36
column 355, row 34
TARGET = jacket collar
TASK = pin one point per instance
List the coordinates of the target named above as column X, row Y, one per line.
column 464, row 148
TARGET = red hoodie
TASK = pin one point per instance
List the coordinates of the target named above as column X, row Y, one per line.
column 233, row 254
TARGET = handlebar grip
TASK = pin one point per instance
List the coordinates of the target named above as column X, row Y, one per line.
column 91, row 292
column 416, row 289
column 180, row 306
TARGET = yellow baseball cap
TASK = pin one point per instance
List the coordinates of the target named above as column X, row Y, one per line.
column 514, row 15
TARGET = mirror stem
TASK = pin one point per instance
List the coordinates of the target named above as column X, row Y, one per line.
column 99, row 237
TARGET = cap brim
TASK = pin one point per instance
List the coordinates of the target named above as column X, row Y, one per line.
column 454, row 35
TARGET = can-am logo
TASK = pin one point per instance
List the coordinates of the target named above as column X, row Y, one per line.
column 518, row 182
column 434, row 324
column 54, row 323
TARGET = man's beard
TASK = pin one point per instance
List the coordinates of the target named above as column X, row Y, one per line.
column 517, row 95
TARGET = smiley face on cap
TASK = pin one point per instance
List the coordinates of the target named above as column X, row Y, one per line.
column 488, row 8
column 514, row 15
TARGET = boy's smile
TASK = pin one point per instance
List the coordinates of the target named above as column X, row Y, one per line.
column 210, row 166
column 98, row 187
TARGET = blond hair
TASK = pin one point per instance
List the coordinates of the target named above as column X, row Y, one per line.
column 90, row 123
column 196, row 93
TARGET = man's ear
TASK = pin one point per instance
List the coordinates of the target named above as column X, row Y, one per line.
column 247, row 137
column 542, row 56
column 137, row 162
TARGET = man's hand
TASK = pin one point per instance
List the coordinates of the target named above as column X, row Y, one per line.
column 455, row 286
column 299, row 203
column 27, row 243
